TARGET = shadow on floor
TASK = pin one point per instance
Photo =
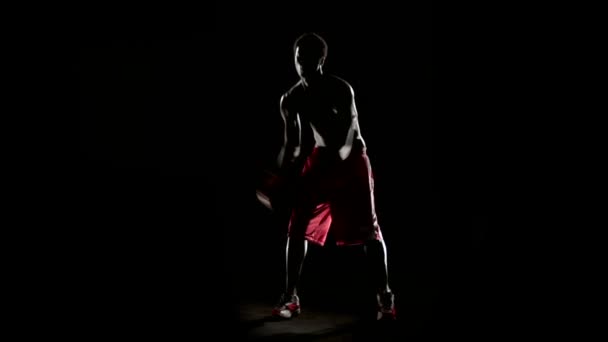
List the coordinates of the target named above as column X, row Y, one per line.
column 316, row 325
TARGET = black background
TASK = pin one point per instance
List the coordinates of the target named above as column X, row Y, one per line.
column 179, row 113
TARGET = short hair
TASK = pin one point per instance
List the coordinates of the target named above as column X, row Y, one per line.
column 311, row 42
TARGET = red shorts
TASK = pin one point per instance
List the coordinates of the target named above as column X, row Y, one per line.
column 336, row 195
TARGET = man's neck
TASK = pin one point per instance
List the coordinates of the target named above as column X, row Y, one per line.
column 311, row 79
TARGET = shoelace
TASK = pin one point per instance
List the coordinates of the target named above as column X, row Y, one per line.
column 286, row 299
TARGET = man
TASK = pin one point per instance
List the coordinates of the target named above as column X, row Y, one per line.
column 335, row 186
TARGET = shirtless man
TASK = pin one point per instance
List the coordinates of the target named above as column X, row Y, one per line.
column 335, row 187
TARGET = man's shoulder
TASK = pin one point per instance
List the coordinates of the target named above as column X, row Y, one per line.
column 293, row 91
column 291, row 95
column 340, row 84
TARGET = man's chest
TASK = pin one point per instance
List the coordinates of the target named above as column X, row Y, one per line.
column 315, row 106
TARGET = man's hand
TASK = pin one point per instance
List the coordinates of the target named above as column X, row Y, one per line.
column 344, row 152
column 276, row 191
column 271, row 189
column 265, row 200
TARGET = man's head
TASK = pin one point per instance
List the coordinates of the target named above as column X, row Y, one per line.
column 309, row 51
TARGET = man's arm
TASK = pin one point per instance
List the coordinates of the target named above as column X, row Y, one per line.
column 279, row 187
column 292, row 136
column 351, row 112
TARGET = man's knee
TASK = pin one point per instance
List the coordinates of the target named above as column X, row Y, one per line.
column 374, row 246
column 373, row 243
column 296, row 241
column 296, row 238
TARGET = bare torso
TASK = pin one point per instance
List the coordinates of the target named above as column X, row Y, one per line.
column 327, row 106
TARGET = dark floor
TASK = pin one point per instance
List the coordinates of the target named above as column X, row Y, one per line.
column 338, row 303
column 316, row 324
